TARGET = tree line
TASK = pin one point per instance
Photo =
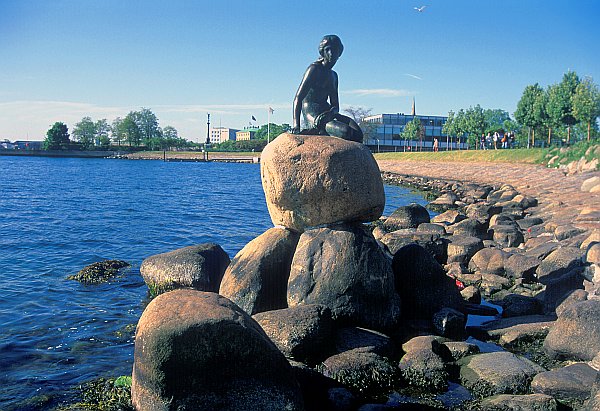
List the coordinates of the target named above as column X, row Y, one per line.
column 559, row 108
column 137, row 129
column 565, row 112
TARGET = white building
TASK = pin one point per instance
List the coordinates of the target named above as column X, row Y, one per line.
column 221, row 134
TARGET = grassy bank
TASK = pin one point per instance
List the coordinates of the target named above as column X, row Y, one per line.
column 521, row 155
column 555, row 155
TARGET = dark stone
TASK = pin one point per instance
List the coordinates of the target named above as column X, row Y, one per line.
column 508, row 402
column 506, row 235
column 356, row 338
column 570, row 299
column 529, row 222
column 256, row 280
column 559, row 262
column 449, row 217
column 576, row 334
column 566, row 231
column 462, row 248
column 431, row 228
column 422, row 283
column 489, row 260
column 570, row 384
column 430, row 240
column 542, row 250
column 450, row 323
column 361, row 371
column 422, row 366
column 470, row 227
column 315, row 388
column 559, row 288
column 198, row 350
column 461, row 349
column 521, row 266
column 471, row 294
column 515, row 305
column 593, row 404
column 505, row 193
column 497, row 373
column 409, row 216
column 304, row 333
column 200, row 267
column 482, row 212
column 344, row 269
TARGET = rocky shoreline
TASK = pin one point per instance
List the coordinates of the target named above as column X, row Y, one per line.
column 323, row 312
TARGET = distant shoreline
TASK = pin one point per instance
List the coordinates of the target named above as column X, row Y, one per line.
column 171, row 156
column 57, row 153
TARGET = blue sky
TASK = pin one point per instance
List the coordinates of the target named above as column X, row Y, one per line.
column 65, row 59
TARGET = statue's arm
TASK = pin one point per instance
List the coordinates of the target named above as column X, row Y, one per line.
column 334, row 98
column 303, row 89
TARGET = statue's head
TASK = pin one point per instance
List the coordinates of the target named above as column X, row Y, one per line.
column 331, row 41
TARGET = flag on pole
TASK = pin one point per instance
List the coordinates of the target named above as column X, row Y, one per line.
column 271, row 111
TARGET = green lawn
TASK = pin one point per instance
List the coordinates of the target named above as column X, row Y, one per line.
column 520, row 155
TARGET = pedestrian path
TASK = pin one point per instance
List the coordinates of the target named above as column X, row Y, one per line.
column 558, row 194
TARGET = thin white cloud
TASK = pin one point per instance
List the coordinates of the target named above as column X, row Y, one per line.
column 413, row 76
column 381, row 92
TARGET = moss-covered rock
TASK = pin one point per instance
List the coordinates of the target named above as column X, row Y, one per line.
column 103, row 394
column 100, row 272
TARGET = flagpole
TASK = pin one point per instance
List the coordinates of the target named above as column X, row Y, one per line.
column 268, row 125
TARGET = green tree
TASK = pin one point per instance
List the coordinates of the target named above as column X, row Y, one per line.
column 57, row 137
column 102, row 134
column 560, row 101
column 460, row 125
column 118, row 131
column 474, row 124
column 449, row 128
column 131, row 129
column 586, row 103
column 525, row 113
column 85, row 132
column 495, row 119
column 275, row 129
column 413, row 130
column 148, row 124
column 170, row 136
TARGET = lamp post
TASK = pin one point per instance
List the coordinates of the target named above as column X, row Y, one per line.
column 377, row 144
column 206, row 144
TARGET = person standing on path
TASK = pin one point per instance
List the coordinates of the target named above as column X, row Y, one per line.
column 435, row 144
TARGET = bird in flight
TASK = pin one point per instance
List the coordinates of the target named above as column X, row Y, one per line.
column 420, row 9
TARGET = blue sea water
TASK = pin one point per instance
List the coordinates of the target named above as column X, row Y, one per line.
column 58, row 215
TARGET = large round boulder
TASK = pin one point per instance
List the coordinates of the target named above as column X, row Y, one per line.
column 409, row 216
column 198, row 350
column 422, row 283
column 256, row 279
column 314, row 180
column 344, row 269
column 199, row 266
column 576, row 334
